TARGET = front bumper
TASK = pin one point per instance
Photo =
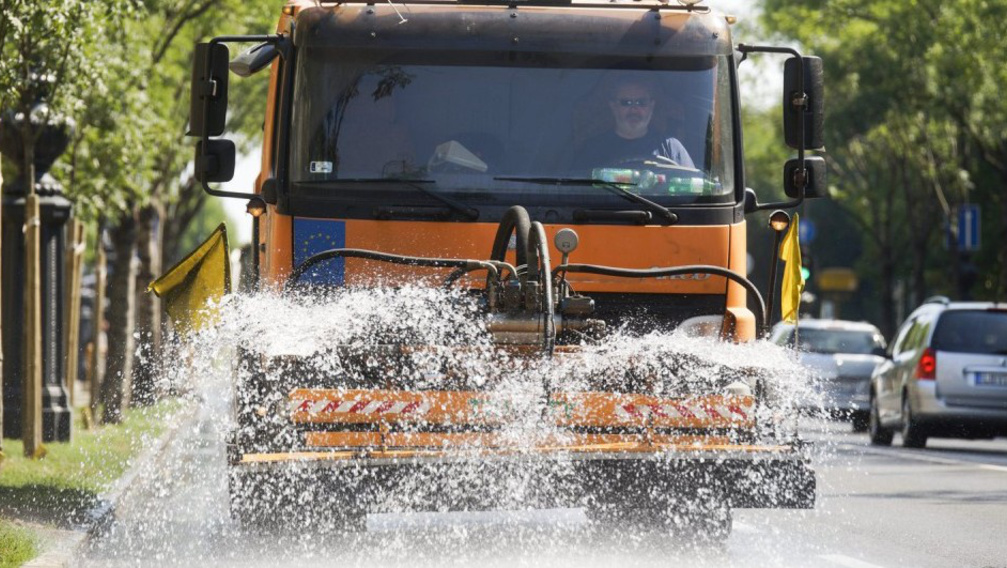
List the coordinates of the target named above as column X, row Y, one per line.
column 746, row 476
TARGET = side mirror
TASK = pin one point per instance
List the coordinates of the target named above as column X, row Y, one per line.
column 812, row 105
column 815, row 183
column 880, row 352
column 208, row 102
column 215, row 161
column 254, row 59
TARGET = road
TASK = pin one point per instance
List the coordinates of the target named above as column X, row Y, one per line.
column 878, row 507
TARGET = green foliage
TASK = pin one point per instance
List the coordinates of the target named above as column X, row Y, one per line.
column 53, row 37
column 765, row 152
column 914, row 127
column 131, row 145
column 202, row 225
column 59, row 488
column 46, row 53
column 17, row 545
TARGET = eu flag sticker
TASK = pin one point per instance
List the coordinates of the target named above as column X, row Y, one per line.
column 312, row 236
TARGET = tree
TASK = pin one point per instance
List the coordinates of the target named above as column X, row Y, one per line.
column 44, row 48
column 966, row 76
column 141, row 126
column 895, row 124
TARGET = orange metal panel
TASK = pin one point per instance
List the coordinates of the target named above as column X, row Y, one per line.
column 598, row 409
column 279, row 249
column 371, row 406
column 607, row 409
column 611, row 245
column 342, row 439
column 737, row 297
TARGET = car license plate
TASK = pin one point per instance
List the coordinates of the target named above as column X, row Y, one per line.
column 986, row 379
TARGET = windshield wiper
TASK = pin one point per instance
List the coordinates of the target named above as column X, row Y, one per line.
column 614, row 187
column 470, row 213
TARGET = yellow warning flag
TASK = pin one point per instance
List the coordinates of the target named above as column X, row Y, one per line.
column 202, row 276
column 793, row 279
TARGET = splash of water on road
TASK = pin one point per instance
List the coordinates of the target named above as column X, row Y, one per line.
column 182, row 515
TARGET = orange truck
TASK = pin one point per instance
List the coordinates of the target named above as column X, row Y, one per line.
column 577, row 168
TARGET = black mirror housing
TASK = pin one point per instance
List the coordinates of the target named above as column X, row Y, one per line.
column 812, row 107
column 751, row 201
column 208, row 102
column 215, row 161
column 816, row 182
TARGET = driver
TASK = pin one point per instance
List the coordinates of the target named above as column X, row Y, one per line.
column 632, row 105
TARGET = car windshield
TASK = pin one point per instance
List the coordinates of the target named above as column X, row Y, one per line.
column 840, row 341
column 479, row 129
column 972, row 332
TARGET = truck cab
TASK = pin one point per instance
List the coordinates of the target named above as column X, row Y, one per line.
column 578, row 165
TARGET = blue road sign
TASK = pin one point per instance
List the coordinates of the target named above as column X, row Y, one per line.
column 806, row 230
column 968, row 227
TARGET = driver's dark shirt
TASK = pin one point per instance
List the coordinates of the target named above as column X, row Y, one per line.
column 610, row 149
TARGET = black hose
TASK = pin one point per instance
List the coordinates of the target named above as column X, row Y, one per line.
column 312, row 261
column 760, row 315
column 459, row 272
column 515, row 221
column 540, row 269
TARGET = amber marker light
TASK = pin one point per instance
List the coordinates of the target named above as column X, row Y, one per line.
column 255, row 207
column 779, row 221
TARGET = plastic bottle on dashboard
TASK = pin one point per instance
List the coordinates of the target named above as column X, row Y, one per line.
column 635, row 180
column 690, row 186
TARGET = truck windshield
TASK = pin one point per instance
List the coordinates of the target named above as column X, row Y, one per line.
column 665, row 131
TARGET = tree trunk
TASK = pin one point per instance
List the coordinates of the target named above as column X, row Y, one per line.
column 148, row 308
column 181, row 213
column 99, row 335
column 1001, row 284
column 1, row 337
column 885, row 223
column 115, row 389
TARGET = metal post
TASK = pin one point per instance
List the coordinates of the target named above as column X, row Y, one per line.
column 255, row 254
column 34, row 220
column 31, row 429
column 256, row 207
column 779, row 221
column 97, row 354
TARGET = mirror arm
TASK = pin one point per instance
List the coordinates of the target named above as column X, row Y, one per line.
column 783, row 204
column 800, row 100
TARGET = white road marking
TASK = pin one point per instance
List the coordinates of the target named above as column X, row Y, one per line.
column 744, row 528
column 847, row 561
column 927, row 458
column 555, row 518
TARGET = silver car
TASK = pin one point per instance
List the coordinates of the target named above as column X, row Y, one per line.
column 945, row 376
column 841, row 355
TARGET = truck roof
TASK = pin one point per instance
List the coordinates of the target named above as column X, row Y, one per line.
column 639, row 29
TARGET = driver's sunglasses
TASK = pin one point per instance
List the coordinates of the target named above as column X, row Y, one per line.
column 641, row 102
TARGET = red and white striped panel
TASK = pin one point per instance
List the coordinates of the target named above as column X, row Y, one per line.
column 687, row 410
column 363, row 407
